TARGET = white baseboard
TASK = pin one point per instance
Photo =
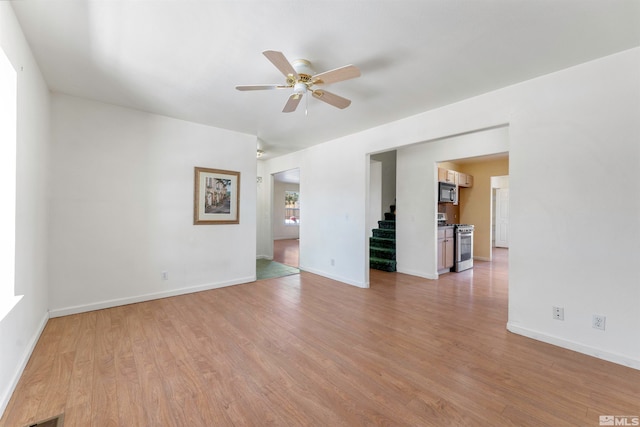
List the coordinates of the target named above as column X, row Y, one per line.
column 334, row 277
column 574, row 346
column 264, row 257
column 4, row 400
column 419, row 274
column 146, row 297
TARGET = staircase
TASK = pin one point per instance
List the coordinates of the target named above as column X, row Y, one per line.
column 382, row 246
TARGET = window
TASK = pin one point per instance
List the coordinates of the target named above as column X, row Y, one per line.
column 291, row 207
column 8, row 116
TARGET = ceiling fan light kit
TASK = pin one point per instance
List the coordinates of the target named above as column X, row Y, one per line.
column 301, row 77
column 300, row 88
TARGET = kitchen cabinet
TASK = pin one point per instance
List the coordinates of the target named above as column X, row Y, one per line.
column 446, row 175
column 445, row 249
column 465, row 180
column 453, row 177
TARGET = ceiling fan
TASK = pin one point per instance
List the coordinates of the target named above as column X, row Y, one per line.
column 302, row 79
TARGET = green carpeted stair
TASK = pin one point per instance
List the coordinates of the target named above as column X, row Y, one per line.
column 382, row 246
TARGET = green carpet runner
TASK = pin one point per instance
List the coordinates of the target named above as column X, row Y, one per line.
column 382, row 246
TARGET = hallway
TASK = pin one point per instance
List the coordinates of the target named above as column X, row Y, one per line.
column 284, row 263
column 287, row 252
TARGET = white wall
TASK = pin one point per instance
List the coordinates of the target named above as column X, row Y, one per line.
column 576, row 131
column 375, row 195
column 264, row 239
column 21, row 327
column 497, row 182
column 500, row 181
column 122, row 207
column 280, row 229
column 328, row 230
column 388, row 160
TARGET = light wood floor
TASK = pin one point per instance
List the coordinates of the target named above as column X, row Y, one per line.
column 287, row 251
column 305, row 350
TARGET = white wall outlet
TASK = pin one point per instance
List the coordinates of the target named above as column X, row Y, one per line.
column 164, row 275
column 333, row 262
column 558, row 313
column 598, row 321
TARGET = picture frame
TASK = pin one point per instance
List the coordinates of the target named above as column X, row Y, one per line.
column 216, row 196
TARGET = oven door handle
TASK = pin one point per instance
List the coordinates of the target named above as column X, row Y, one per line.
column 465, row 233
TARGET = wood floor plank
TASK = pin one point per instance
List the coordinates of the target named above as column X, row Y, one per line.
column 306, row 350
column 148, row 370
column 104, row 403
column 79, row 397
column 190, row 390
column 128, row 388
column 286, row 251
column 54, row 397
column 28, row 396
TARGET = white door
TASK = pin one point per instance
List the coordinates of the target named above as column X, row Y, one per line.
column 502, row 217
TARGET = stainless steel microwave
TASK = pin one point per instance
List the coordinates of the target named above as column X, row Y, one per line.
column 446, row 192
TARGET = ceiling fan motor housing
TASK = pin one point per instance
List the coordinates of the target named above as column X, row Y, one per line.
column 303, row 68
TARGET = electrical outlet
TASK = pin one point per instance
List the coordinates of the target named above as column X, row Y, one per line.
column 164, row 275
column 558, row 313
column 333, row 262
column 598, row 321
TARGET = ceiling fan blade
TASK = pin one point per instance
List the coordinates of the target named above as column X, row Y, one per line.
column 261, row 87
column 278, row 59
column 331, row 98
column 292, row 103
column 339, row 74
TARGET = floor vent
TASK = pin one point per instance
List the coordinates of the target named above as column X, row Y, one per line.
column 50, row 422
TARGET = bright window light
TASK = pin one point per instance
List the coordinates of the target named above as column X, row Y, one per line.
column 8, row 116
column 291, row 208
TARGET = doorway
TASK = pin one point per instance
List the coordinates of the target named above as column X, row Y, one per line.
column 500, row 208
column 477, row 199
column 381, row 230
column 286, row 215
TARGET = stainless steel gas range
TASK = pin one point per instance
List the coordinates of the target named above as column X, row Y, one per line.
column 463, row 247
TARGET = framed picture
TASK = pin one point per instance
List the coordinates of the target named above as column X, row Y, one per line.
column 216, row 197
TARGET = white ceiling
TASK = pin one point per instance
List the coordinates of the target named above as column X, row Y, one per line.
column 183, row 58
column 291, row 176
